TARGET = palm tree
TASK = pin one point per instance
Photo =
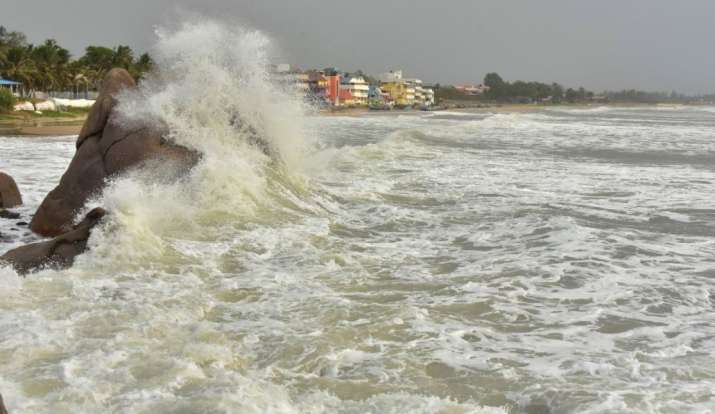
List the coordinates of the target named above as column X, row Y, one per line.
column 141, row 66
column 51, row 61
column 97, row 60
column 3, row 57
column 78, row 77
column 123, row 57
column 21, row 67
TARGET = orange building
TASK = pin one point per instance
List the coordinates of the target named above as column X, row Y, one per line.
column 332, row 92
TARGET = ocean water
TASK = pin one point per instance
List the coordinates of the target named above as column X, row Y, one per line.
column 555, row 261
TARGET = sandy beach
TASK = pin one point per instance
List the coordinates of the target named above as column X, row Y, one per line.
column 51, row 126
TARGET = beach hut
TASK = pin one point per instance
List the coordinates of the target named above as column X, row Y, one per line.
column 12, row 85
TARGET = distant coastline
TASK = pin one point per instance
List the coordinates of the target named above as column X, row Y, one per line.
column 53, row 124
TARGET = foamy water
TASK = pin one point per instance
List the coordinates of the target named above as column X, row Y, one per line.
column 551, row 262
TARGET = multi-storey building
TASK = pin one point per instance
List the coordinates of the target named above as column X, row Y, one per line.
column 358, row 88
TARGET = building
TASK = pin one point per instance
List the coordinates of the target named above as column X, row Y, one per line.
column 396, row 90
column 429, row 96
column 375, row 95
column 358, row 88
column 403, row 92
column 13, row 86
column 317, row 85
column 473, row 90
column 423, row 96
column 345, row 97
column 332, row 90
column 418, row 91
column 302, row 82
column 391, row 76
column 398, row 93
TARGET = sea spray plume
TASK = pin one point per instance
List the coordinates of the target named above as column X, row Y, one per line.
column 213, row 93
column 210, row 80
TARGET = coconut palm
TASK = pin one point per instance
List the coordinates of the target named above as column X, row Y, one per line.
column 123, row 57
column 77, row 75
column 98, row 60
column 51, row 61
column 20, row 66
column 141, row 66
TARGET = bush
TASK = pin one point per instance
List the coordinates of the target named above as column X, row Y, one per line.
column 7, row 100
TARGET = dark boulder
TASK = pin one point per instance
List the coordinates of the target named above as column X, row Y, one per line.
column 9, row 193
column 3, row 410
column 57, row 253
column 105, row 148
column 6, row 214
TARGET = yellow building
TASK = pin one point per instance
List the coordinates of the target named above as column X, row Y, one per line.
column 398, row 92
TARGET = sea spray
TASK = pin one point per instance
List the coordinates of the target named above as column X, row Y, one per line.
column 212, row 91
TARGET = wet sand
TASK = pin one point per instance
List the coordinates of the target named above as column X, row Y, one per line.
column 41, row 127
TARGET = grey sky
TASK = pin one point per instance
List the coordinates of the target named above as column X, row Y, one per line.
column 604, row 44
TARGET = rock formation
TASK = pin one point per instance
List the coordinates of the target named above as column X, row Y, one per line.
column 9, row 193
column 56, row 253
column 9, row 214
column 3, row 410
column 105, row 148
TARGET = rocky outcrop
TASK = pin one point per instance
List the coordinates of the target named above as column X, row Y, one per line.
column 105, row 147
column 56, row 253
column 9, row 214
column 3, row 410
column 9, row 193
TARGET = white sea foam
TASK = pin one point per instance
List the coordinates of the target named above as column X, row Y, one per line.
column 214, row 94
column 516, row 263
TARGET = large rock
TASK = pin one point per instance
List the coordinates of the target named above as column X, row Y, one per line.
column 9, row 193
column 57, row 253
column 105, row 148
column 3, row 410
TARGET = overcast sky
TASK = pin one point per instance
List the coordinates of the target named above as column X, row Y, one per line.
column 604, row 44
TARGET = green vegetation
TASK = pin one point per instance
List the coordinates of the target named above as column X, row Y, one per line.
column 502, row 91
column 444, row 93
column 527, row 92
column 636, row 96
column 49, row 67
column 7, row 100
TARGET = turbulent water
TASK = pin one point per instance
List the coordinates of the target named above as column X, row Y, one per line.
column 557, row 261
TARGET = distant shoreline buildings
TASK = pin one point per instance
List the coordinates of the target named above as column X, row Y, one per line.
column 333, row 88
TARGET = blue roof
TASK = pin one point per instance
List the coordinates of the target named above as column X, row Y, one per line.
column 9, row 82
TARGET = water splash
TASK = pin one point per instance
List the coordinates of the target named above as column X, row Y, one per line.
column 214, row 94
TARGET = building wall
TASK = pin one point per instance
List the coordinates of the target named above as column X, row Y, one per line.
column 333, row 89
column 399, row 93
column 359, row 90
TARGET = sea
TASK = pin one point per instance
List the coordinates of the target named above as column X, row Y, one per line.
column 559, row 260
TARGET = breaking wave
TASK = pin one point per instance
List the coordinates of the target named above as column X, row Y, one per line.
column 214, row 94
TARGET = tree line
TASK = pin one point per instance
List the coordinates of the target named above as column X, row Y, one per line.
column 634, row 95
column 49, row 67
column 521, row 91
column 518, row 91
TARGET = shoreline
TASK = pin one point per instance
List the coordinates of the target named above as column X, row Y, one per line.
column 64, row 126
column 49, row 126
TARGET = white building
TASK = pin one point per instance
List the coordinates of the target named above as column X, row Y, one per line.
column 391, row 76
column 414, row 92
column 358, row 87
column 429, row 96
